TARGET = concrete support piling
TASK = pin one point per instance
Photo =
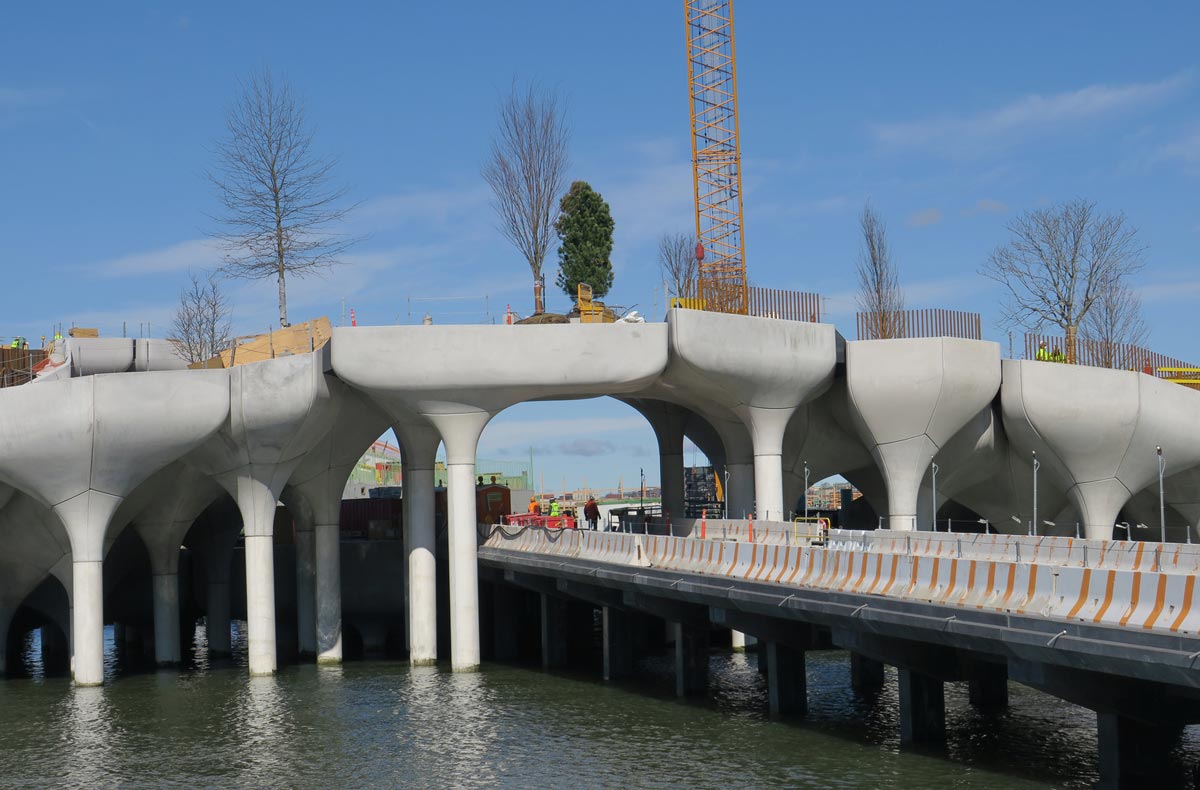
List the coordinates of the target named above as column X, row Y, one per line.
column 787, row 682
column 328, row 593
column 420, row 545
column 506, row 644
column 306, row 588
column 1132, row 754
column 464, row 581
column 166, row 619
column 988, row 687
column 260, row 603
column 618, row 643
column 866, row 674
column 922, row 709
column 88, row 623
column 740, row 496
column 6, row 615
column 217, row 618
column 691, row 660
column 555, row 631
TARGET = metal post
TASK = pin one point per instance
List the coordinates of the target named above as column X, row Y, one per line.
column 806, row 492
column 1162, row 506
column 725, row 509
column 1036, row 465
column 935, row 471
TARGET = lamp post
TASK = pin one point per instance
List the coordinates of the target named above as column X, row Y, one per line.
column 806, row 492
column 935, row 471
column 1036, row 465
column 1162, row 506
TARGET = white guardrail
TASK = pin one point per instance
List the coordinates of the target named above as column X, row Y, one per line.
column 1132, row 585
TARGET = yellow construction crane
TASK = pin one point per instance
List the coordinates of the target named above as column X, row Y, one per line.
column 716, row 155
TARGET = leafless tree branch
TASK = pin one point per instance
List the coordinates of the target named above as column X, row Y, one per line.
column 279, row 208
column 678, row 264
column 880, row 296
column 200, row 326
column 527, row 172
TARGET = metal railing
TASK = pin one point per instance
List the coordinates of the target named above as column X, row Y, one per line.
column 930, row 322
column 1118, row 356
column 788, row 305
column 17, row 364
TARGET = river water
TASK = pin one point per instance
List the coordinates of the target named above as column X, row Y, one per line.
column 382, row 724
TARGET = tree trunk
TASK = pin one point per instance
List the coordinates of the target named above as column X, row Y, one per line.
column 539, row 305
column 1072, row 331
column 282, row 299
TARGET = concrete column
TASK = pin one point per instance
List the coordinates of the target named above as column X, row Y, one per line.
column 6, row 615
column 306, row 587
column 260, row 603
column 460, row 432
column 217, row 618
column 420, row 445
column 787, row 683
column 505, row 623
column 166, row 619
column 618, row 643
column 555, row 632
column 766, row 433
column 740, row 496
column 691, row 660
column 922, row 709
column 670, row 471
column 88, row 623
column 866, row 674
column 737, row 640
column 988, row 688
column 327, row 550
column 1132, row 755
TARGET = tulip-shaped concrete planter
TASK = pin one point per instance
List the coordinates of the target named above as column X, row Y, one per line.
column 908, row 398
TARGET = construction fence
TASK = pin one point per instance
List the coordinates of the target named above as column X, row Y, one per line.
column 1118, row 356
column 17, row 364
column 930, row 322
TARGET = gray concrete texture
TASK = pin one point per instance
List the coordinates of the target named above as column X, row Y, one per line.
column 115, row 437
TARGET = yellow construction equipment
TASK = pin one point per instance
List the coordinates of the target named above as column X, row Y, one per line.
column 716, row 155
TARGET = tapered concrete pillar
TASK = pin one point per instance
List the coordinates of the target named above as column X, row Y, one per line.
column 306, row 587
column 6, row 615
column 328, row 593
column 257, row 504
column 1133, row 755
column 419, row 445
column 922, row 709
column 618, row 643
column 555, row 632
column 691, row 660
column 766, row 428
column 216, row 607
column 88, row 623
column 787, row 683
column 737, row 640
column 460, row 432
column 166, row 619
column 866, row 674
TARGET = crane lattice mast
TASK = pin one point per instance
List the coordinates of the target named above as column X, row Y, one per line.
column 716, row 155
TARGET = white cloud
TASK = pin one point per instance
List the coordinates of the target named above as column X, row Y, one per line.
column 922, row 219
column 986, row 206
column 959, row 135
column 1184, row 151
column 192, row 254
column 1185, row 291
column 427, row 207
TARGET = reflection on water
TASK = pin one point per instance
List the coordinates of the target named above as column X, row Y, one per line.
column 386, row 725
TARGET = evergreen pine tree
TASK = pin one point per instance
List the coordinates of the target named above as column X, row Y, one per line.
column 585, row 230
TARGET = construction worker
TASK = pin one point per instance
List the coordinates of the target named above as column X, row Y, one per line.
column 1057, row 355
column 535, row 507
column 554, row 511
column 16, row 343
column 1042, row 354
column 591, row 512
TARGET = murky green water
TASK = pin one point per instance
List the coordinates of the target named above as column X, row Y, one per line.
column 382, row 724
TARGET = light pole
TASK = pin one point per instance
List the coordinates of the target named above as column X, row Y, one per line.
column 935, row 471
column 1162, row 506
column 806, row 492
column 1036, row 465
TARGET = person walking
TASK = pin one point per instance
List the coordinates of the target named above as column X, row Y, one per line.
column 591, row 512
column 535, row 507
column 554, row 508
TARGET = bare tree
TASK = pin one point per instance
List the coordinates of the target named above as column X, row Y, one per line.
column 1060, row 262
column 200, row 326
column 678, row 264
column 280, row 206
column 880, row 297
column 527, row 172
column 1115, row 327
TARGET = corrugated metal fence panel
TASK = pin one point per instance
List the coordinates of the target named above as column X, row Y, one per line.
column 930, row 322
column 787, row 305
column 16, row 365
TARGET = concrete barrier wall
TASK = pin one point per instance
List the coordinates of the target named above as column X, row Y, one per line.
column 1123, row 589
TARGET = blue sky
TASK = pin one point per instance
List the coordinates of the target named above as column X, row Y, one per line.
column 950, row 117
